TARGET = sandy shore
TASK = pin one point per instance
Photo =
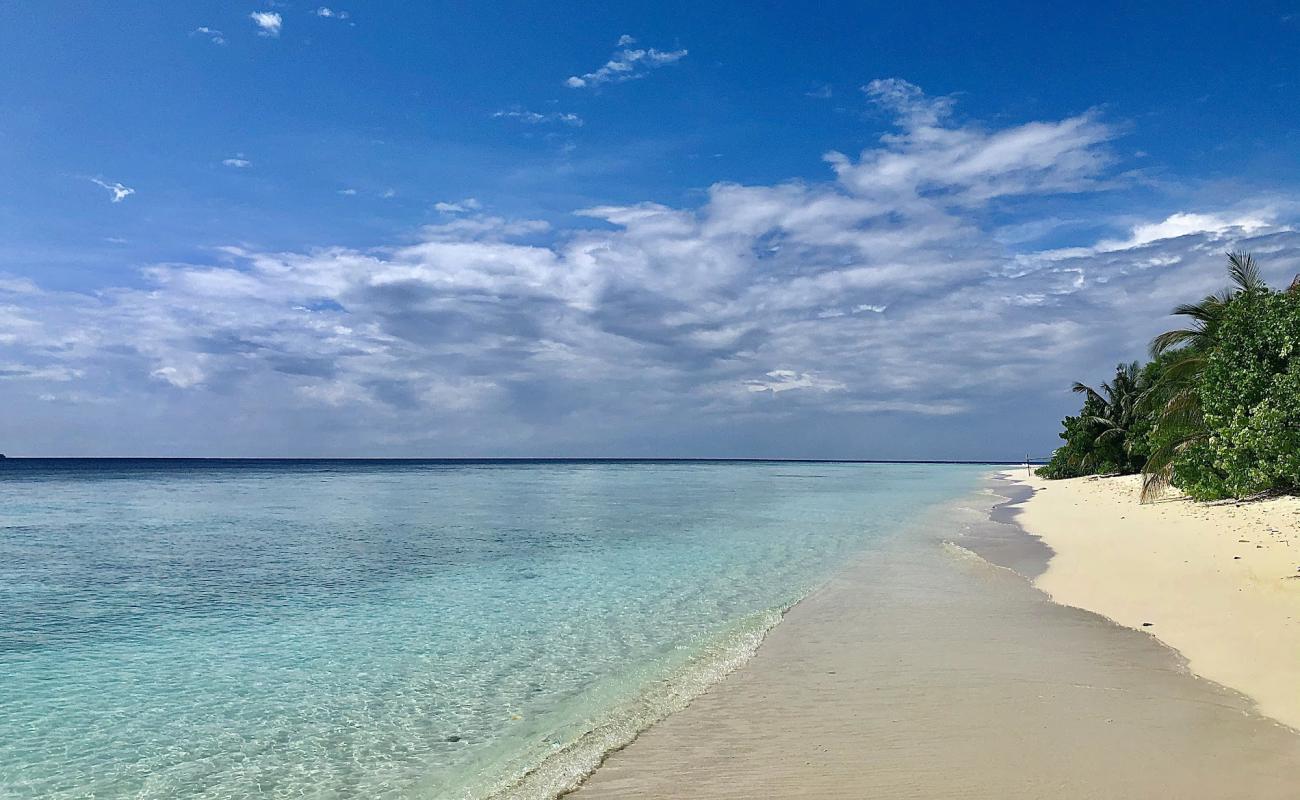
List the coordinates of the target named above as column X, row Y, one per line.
column 927, row 671
column 1219, row 582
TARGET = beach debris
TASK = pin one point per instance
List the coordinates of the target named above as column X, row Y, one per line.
column 1147, row 624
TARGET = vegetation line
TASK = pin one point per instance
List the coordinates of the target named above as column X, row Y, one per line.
column 1215, row 413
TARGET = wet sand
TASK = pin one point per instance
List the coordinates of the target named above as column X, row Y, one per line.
column 1220, row 582
column 930, row 672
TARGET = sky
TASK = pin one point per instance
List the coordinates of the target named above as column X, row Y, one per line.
column 662, row 229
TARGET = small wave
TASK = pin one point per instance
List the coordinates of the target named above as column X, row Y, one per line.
column 963, row 553
column 566, row 768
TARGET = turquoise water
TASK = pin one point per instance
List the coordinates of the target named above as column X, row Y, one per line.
column 393, row 629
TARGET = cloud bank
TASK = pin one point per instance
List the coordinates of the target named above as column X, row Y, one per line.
column 799, row 318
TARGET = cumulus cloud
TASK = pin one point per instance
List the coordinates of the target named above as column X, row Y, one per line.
column 117, row 190
column 537, row 118
column 329, row 13
column 268, row 23
column 237, row 161
column 880, row 294
column 628, row 63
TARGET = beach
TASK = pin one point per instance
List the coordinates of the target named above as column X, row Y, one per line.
column 943, row 673
column 1219, row 582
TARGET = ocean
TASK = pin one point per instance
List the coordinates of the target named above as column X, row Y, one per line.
column 395, row 629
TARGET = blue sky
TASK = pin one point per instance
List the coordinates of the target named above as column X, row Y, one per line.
column 661, row 229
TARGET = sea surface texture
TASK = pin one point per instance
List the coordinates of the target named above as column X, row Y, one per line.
column 394, row 629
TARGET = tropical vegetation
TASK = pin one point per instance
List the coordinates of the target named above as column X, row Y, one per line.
column 1215, row 413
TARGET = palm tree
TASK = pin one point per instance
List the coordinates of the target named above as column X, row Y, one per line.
column 1117, row 409
column 1206, row 314
column 1174, row 399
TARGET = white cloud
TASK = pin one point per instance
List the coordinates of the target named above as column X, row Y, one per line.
column 969, row 165
column 536, row 118
column 118, row 191
column 237, row 161
column 912, row 106
column 212, row 35
column 458, row 207
column 627, row 63
column 1185, row 224
column 269, row 23
column 347, row 192
column 37, row 373
column 883, row 290
column 17, row 285
column 1207, row 226
column 329, row 13
column 182, row 377
column 786, row 380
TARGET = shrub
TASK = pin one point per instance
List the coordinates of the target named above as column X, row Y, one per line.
column 1250, row 393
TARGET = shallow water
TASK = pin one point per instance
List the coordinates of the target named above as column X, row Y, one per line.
column 926, row 671
column 393, row 629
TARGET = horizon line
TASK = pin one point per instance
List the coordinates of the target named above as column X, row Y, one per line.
column 530, row 459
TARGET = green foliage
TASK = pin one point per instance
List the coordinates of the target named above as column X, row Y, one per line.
column 1193, row 470
column 1250, row 391
column 1110, row 433
column 1217, row 410
column 1080, row 455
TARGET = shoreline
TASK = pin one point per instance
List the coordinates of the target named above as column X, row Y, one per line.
column 568, row 768
column 562, row 772
column 1216, row 582
column 945, row 672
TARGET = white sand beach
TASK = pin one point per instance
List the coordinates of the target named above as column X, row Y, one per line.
column 1220, row 582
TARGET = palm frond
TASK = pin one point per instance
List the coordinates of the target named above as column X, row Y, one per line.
column 1205, row 312
column 1083, row 388
column 1110, row 434
column 1159, row 470
column 1170, row 340
column 1244, row 272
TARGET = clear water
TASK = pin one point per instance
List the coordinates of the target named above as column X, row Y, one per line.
column 393, row 629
